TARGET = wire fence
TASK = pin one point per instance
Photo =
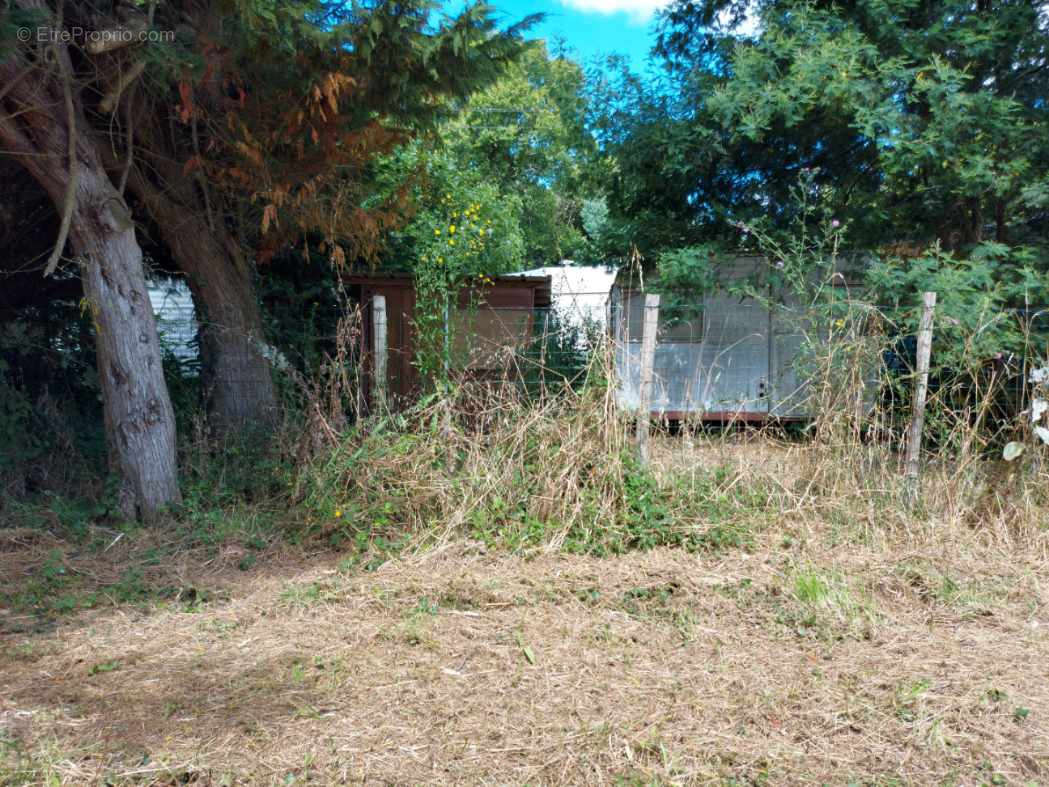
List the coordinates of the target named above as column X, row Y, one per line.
column 722, row 355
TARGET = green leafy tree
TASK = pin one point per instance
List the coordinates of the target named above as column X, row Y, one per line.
column 929, row 119
column 526, row 135
column 464, row 232
column 923, row 121
column 674, row 176
column 500, row 185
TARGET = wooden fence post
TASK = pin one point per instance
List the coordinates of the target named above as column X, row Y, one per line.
column 921, row 389
column 649, row 327
column 379, row 352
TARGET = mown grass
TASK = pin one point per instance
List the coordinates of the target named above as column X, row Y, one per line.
column 821, row 665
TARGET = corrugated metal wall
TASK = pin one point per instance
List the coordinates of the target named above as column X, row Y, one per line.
column 720, row 356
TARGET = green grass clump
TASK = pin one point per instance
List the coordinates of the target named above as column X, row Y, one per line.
column 523, row 475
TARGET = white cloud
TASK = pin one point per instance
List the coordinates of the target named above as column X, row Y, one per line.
column 643, row 10
column 640, row 10
column 750, row 24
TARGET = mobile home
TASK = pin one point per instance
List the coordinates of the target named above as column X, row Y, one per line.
column 719, row 356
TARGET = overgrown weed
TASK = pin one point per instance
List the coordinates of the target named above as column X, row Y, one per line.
column 491, row 464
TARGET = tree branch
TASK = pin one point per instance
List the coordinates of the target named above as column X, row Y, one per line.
column 129, row 162
column 69, row 203
column 112, row 97
column 14, row 82
column 13, row 139
column 115, row 38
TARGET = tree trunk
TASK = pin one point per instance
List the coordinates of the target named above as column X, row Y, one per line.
column 239, row 377
column 43, row 130
column 139, row 418
column 138, row 409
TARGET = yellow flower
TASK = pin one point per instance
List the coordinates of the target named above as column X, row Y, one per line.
column 338, row 513
column 436, row 232
column 451, row 230
column 451, row 241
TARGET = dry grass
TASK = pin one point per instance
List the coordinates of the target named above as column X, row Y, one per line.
column 830, row 651
column 466, row 461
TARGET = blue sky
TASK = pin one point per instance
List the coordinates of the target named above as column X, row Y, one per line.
column 592, row 28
